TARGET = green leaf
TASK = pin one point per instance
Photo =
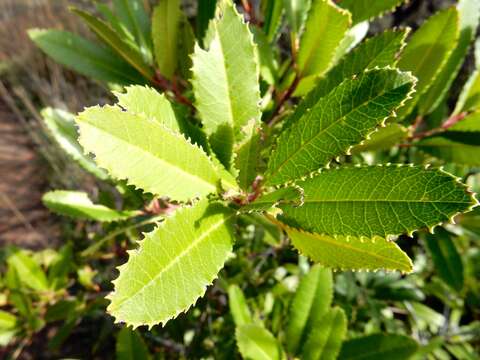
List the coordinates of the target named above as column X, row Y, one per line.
column 77, row 205
column 28, row 271
column 339, row 120
column 349, row 252
column 246, row 159
column 116, row 42
column 257, row 343
column 130, row 346
column 326, row 337
column 165, row 33
column 238, row 306
column 272, row 13
column 84, row 56
column 378, row 51
column 148, row 102
column 62, row 264
column 377, row 200
column 447, row 260
column 267, row 56
column 352, row 38
column 383, row 139
column 150, row 155
column 311, row 302
column 7, row 320
column 225, row 80
column 325, row 28
column 61, row 125
column 469, row 14
column 186, row 44
column 205, row 12
column 469, row 98
column 132, row 14
column 460, row 144
column 367, row 10
column 192, row 246
column 428, row 51
column 379, row 347
column 289, row 194
column 296, row 13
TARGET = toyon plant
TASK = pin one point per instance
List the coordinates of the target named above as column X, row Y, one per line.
column 260, row 134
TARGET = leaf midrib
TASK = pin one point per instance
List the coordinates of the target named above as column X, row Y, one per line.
column 175, row 260
column 321, row 132
column 307, row 201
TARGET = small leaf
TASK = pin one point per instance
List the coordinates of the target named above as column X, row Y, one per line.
column 377, row 200
column 350, row 253
column 325, row 339
column 289, row 194
column 119, row 45
column 246, row 160
column 366, row 9
column 383, row 139
column 447, row 260
column 311, row 302
column 165, row 33
column 339, row 120
column 133, row 16
column 61, row 266
column 379, row 347
column 130, row 345
column 296, row 13
column 469, row 13
column 84, row 56
column 192, row 246
column 257, row 343
column 325, row 28
column 469, row 98
column 7, row 320
column 27, row 269
column 225, row 80
column 149, row 154
column 61, row 125
column 272, row 13
column 352, row 38
column 238, row 306
column 428, row 50
column 77, row 205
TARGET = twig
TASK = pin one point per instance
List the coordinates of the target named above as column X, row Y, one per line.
column 282, row 99
column 446, row 125
column 166, row 85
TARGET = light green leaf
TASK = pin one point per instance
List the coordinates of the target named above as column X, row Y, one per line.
column 378, row 51
column 7, row 320
column 77, row 205
column 27, row 269
column 238, row 306
column 62, row 127
column 326, row 337
column 366, row 9
column 311, row 302
column 428, row 51
column 325, row 28
column 246, row 159
column 384, row 138
column 460, row 144
column 289, row 194
column 84, row 56
column 257, row 343
column 150, row 155
column 469, row 98
column 192, row 246
column 296, row 13
column 225, row 80
column 339, row 120
column 349, row 252
column 165, row 33
column 469, row 14
column 272, row 13
column 130, row 346
column 132, row 14
column 352, row 38
column 267, row 56
column 115, row 41
column 447, row 260
column 377, row 200
column 379, row 347
column 148, row 102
